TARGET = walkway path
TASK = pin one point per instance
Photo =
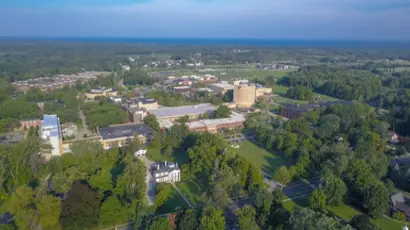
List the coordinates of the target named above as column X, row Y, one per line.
column 84, row 129
column 180, row 193
column 149, row 179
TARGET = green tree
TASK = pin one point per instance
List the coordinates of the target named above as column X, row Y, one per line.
column 151, row 121
column 101, row 181
column 282, row 175
column 241, row 166
column 20, row 200
column 317, row 200
column 376, row 199
column 212, row 219
column 188, row 220
column 255, row 177
column 362, row 222
column 112, row 212
column 222, row 112
column 163, row 192
column 161, row 223
column 246, row 218
column 49, row 208
column 334, row 188
column 131, row 184
column 310, row 220
column 81, row 208
column 399, row 216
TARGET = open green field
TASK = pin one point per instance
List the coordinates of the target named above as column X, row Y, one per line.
column 346, row 212
column 268, row 161
column 260, row 74
column 155, row 155
column 174, row 202
column 191, row 191
column 178, row 156
column 281, row 90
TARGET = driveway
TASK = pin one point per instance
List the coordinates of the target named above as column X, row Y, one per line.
column 300, row 188
column 149, row 179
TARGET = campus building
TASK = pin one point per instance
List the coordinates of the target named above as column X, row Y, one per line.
column 50, row 132
column 101, row 92
column 173, row 113
column 221, row 88
column 30, row 123
column 235, row 121
column 244, row 95
column 167, row 172
column 121, row 135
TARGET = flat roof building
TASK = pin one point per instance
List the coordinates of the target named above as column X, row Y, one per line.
column 236, row 120
column 101, row 92
column 121, row 135
column 50, row 131
column 172, row 113
column 221, row 88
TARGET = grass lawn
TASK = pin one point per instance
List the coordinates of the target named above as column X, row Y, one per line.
column 260, row 74
column 174, row 202
column 268, row 161
column 155, row 155
column 191, row 191
column 345, row 212
column 385, row 223
column 280, row 91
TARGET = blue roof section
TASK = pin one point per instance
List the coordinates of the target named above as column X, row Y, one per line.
column 54, row 133
column 50, row 120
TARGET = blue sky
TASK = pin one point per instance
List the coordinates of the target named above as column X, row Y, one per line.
column 270, row 19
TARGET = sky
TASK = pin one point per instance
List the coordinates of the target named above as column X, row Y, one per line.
column 264, row 19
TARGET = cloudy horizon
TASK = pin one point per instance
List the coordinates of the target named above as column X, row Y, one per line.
column 263, row 19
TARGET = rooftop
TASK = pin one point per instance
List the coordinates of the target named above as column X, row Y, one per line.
column 127, row 130
column 165, row 123
column 166, row 167
column 224, row 85
column 235, row 117
column 50, row 120
column 183, row 110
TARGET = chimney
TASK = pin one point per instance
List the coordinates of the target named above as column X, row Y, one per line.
column 157, row 166
column 166, row 163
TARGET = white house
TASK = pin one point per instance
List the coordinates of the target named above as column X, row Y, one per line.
column 140, row 153
column 167, row 172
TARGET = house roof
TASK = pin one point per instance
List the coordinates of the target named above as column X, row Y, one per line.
column 397, row 198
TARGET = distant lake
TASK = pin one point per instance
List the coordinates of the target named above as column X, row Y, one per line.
column 220, row 41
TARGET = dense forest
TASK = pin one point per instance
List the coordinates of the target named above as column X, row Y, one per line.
column 341, row 83
column 31, row 59
column 343, row 144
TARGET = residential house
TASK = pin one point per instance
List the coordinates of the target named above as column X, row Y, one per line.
column 167, row 172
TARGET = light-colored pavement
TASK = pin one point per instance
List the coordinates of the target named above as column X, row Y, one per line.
column 84, row 129
column 149, row 179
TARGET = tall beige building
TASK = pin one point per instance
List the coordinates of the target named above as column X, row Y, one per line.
column 244, row 95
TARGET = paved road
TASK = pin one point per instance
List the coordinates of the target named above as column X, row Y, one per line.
column 84, row 129
column 149, row 179
column 301, row 188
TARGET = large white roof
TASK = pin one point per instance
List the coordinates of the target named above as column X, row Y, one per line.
column 235, row 117
column 182, row 110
